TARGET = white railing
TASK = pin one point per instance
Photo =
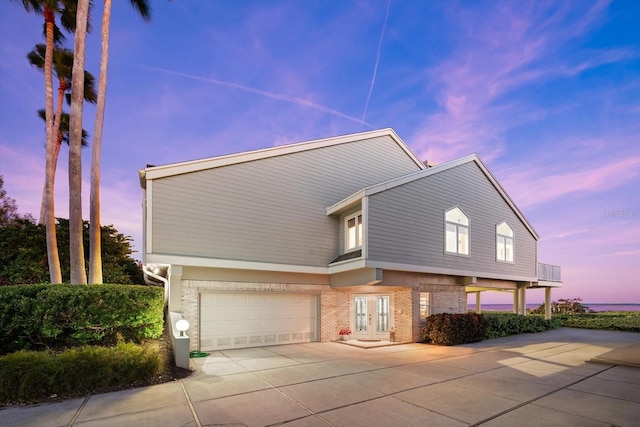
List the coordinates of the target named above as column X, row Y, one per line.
column 549, row 273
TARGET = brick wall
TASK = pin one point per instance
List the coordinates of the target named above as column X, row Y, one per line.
column 335, row 304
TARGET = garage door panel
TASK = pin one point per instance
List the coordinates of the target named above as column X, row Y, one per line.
column 236, row 320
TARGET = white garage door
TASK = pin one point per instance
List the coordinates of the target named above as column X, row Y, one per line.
column 237, row 320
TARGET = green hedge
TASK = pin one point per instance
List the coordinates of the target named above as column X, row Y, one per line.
column 505, row 324
column 27, row 375
column 453, row 329
column 614, row 320
column 62, row 316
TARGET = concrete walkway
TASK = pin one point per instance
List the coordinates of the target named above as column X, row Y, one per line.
column 542, row 379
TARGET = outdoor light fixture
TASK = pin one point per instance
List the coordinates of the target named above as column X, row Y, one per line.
column 182, row 325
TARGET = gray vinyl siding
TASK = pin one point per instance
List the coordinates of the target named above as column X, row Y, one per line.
column 269, row 210
column 406, row 223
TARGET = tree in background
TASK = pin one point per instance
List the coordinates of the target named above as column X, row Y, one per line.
column 76, row 247
column 23, row 248
column 95, row 258
column 8, row 208
column 23, row 253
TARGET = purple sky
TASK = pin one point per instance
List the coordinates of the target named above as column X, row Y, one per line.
column 547, row 93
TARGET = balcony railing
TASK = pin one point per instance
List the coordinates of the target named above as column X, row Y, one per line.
column 549, row 273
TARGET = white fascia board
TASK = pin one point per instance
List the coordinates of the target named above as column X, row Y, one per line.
column 506, row 197
column 346, row 202
column 446, row 271
column 231, row 264
column 247, row 156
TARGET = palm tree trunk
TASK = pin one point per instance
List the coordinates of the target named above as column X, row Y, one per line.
column 95, row 249
column 76, row 246
column 62, row 87
column 53, row 259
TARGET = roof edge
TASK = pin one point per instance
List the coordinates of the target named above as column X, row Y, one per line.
column 162, row 171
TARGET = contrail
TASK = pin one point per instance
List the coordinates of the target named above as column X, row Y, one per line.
column 375, row 68
column 271, row 95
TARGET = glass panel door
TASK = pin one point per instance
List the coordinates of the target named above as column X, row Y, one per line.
column 361, row 314
column 372, row 317
column 382, row 305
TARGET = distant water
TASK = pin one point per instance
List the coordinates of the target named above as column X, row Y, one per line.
column 594, row 307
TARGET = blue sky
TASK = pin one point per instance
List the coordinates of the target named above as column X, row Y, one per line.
column 547, row 93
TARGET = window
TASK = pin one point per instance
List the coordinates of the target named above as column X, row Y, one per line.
column 424, row 305
column 504, row 242
column 353, row 231
column 456, row 232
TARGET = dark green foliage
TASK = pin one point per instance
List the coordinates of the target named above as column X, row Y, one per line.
column 23, row 253
column 564, row 306
column 27, row 375
column 505, row 324
column 453, row 329
column 611, row 320
column 60, row 316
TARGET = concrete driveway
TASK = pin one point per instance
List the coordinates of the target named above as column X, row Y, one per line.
column 541, row 379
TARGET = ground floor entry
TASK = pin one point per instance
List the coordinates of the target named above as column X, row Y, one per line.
column 254, row 319
column 371, row 317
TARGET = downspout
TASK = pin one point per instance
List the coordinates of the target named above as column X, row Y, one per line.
column 151, row 271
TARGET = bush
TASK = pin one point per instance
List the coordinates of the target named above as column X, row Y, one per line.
column 564, row 306
column 505, row 324
column 453, row 329
column 27, row 375
column 615, row 320
column 62, row 316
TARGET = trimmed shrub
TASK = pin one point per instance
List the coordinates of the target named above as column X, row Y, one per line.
column 453, row 329
column 628, row 321
column 27, row 375
column 505, row 324
column 62, row 316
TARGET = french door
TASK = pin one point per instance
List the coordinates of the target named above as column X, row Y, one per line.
column 372, row 316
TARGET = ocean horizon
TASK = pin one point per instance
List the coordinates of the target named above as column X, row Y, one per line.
column 593, row 306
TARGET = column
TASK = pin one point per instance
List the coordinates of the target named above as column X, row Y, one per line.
column 516, row 302
column 478, row 305
column 547, row 303
column 523, row 301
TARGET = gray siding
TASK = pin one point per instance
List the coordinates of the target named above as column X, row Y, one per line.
column 406, row 223
column 269, row 210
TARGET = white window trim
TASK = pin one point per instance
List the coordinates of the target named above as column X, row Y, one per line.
column 513, row 244
column 359, row 244
column 468, row 227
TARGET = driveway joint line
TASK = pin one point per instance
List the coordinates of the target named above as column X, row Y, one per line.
column 77, row 413
column 530, row 401
column 193, row 410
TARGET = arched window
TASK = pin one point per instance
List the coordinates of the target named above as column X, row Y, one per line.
column 456, row 232
column 504, row 242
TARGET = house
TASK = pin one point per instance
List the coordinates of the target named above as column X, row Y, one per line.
column 292, row 243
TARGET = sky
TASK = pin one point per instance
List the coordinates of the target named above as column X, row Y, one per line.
column 546, row 93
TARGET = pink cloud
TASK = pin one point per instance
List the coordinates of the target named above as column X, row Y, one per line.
column 587, row 179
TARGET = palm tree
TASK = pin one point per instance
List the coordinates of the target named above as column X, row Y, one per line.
column 76, row 247
column 95, row 250
column 48, row 8
column 62, row 67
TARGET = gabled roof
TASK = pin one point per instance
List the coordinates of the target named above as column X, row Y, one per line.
column 154, row 172
column 377, row 188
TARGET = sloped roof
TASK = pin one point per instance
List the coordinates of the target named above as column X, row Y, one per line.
column 162, row 171
column 377, row 188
